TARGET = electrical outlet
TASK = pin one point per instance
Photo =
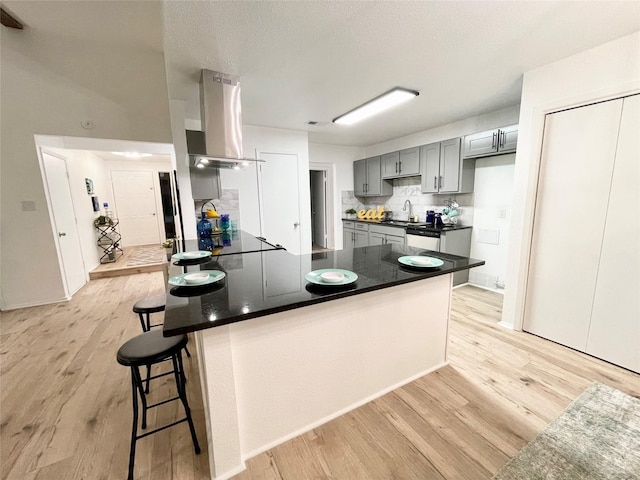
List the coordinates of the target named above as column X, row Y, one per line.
column 502, row 213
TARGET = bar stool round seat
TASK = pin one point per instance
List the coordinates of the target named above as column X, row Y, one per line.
column 146, row 306
column 150, row 348
column 147, row 349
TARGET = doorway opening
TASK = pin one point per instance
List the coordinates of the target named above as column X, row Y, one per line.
column 96, row 176
column 322, row 207
column 168, row 210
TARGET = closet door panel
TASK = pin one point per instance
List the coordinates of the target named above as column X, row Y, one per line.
column 614, row 334
column 571, row 203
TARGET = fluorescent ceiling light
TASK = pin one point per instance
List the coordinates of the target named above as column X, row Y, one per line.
column 383, row 102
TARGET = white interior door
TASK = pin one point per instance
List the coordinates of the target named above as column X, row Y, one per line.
column 134, row 193
column 318, row 207
column 575, row 176
column 614, row 333
column 280, row 199
column 65, row 226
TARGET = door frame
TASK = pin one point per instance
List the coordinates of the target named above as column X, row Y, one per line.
column 40, row 150
column 330, row 201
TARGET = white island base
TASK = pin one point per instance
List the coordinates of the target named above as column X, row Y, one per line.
column 272, row 378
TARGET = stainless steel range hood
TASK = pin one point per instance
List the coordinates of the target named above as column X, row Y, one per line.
column 220, row 144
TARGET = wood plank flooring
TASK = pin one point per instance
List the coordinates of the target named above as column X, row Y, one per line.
column 120, row 267
column 65, row 408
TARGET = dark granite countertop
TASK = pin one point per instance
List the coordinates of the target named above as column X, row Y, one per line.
column 405, row 225
column 259, row 284
column 231, row 243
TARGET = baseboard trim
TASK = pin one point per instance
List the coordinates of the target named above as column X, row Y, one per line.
column 34, row 304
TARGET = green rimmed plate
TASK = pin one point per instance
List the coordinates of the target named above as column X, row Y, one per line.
column 195, row 255
column 214, row 276
column 316, row 277
column 420, row 261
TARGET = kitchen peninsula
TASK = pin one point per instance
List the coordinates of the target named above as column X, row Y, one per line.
column 279, row 355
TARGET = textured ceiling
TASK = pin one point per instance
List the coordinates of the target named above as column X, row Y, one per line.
column 301, row 61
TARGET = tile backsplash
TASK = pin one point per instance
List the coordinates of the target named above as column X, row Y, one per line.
column 409, row 189
column 229, row 202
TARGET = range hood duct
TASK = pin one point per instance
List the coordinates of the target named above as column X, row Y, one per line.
column 220, row 144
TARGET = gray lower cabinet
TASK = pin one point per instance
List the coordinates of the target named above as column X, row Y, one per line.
column 457, row 242
column 367, row 178
column 444, row 170
column 405, row 163
column 355, row 234
column 491, row 142
column 381, row 234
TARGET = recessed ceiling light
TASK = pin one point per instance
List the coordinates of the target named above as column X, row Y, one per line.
column 132, row 154
column 379, row 104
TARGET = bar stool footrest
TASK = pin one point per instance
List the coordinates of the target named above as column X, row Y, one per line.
column 146, row 434
column 163, row 402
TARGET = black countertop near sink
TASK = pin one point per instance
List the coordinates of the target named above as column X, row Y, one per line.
column 259, row 284
column 405, row 225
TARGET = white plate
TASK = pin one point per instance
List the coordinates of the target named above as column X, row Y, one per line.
column 213, row 276
column 420, row 261
column 316, row 276
column 191, row 255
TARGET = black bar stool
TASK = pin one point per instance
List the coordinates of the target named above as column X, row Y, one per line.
column 147, row 306
column 148, row 349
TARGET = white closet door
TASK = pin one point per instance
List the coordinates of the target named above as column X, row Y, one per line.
column 571, row 204
column 615, row 322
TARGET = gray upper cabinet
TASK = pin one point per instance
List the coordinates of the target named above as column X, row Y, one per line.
column 367, row 178
column 450, row 166
column 491, row 142
column 443, row 170
column 390, row 164
column 430, row 159
column 359, row 177
column 404, row 163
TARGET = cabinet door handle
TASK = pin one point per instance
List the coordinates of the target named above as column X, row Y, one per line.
column 502, row 138
column 493, row 140
column 400, row 167
column 62, row 234
column 435, row 182
column 440, row 183
column 396, row 167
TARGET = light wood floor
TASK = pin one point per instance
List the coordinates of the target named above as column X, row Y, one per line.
column 120, row 267
column 66, row 406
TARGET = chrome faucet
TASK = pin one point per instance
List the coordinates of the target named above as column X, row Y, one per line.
column 404, row 209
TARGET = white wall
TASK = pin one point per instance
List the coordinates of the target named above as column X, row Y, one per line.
column 607, row 71
column 493, row 190
column 341, row 158
column 50, row 84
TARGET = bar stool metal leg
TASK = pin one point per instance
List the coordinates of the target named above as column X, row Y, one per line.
column 134, row 430
column 182, row 393
column 143, row 397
